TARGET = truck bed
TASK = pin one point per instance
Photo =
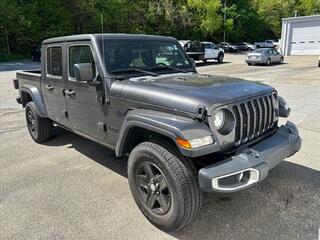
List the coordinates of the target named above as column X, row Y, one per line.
column 29, row 77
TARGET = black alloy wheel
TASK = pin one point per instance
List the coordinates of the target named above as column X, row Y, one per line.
column 153, row 188
column 40, row 128
column 31, row 123
column 164, row 185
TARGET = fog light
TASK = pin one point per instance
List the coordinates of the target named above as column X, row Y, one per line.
column 240, row 177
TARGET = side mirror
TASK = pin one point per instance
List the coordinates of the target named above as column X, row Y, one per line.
column 84, row 72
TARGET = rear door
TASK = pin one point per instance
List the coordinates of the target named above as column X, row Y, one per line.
column 86, row 112
column 271, row 55
column 53, row 83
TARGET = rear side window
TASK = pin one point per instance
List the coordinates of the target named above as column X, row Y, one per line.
column 79, row 54
column 54, row 61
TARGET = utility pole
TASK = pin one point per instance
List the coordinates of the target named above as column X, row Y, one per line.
column 224, row 20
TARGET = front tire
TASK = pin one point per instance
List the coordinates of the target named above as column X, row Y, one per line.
column 40, row 129
column 220, row 58
column 281, row 60
column 164, row 185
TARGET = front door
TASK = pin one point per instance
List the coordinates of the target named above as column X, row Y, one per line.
column 208, row 51
column 53, row 84
column 86, row 112
column 215, row 51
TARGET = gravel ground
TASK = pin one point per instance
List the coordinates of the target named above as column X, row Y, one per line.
column 72, row 188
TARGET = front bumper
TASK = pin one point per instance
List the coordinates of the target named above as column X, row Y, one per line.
column 251, row 165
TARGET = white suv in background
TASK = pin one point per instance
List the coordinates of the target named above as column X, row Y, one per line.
column 213, row 52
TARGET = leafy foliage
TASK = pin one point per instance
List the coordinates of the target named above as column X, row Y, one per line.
column 24, row 23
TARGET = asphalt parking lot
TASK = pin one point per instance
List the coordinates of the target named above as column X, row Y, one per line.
column 72, row 188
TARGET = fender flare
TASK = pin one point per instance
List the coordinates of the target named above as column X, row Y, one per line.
column 168, row 125
column 36, row 98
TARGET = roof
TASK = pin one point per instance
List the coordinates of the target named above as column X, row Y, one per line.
column 302, row 18
column 83, row 37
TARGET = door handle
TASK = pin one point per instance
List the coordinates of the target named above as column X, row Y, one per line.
column 70, row 93
column 50, row 88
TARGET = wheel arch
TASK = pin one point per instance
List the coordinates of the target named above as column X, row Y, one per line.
column 140, row 125
column 30, row 93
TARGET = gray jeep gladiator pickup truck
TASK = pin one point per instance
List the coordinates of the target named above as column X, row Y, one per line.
column 142, row 97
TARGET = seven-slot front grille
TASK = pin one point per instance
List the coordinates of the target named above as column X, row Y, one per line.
column 253, row 118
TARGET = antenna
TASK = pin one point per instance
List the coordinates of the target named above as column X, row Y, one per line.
column 102, row 39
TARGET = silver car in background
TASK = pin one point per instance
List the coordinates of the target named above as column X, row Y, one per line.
column 265, row 56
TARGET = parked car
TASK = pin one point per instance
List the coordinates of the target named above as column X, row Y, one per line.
column 244, row 46
column 142, row 97
column 227, row 47
column 195, row 50
column 36, row 53
column 267, row 44
column 213, row 52
column 265, row 56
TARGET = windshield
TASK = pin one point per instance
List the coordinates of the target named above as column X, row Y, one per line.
column 123, row 56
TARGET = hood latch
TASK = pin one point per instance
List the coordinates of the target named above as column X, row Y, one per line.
column 200, row 112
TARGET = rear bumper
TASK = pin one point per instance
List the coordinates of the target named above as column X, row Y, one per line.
column 256, row 61
column 251, row 165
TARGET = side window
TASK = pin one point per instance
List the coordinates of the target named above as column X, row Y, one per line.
column 54, row 61
column 79, row 54
column 208, row 45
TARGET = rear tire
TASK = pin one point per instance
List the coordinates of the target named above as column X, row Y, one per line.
column 40, row 129
column 250, row 64
column 168, row 168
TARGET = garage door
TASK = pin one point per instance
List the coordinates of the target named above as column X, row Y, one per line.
column 305, row 38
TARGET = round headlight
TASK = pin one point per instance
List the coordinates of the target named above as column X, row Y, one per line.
column 219, row 119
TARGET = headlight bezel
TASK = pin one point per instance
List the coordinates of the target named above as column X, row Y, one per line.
column 228, row 122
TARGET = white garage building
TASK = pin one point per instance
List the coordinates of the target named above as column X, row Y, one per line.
column 301, row 35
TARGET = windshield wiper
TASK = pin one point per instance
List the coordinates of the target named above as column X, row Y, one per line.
column 170, row 67
column 135, row 70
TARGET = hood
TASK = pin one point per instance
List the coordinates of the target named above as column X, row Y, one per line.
column 185, row 92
